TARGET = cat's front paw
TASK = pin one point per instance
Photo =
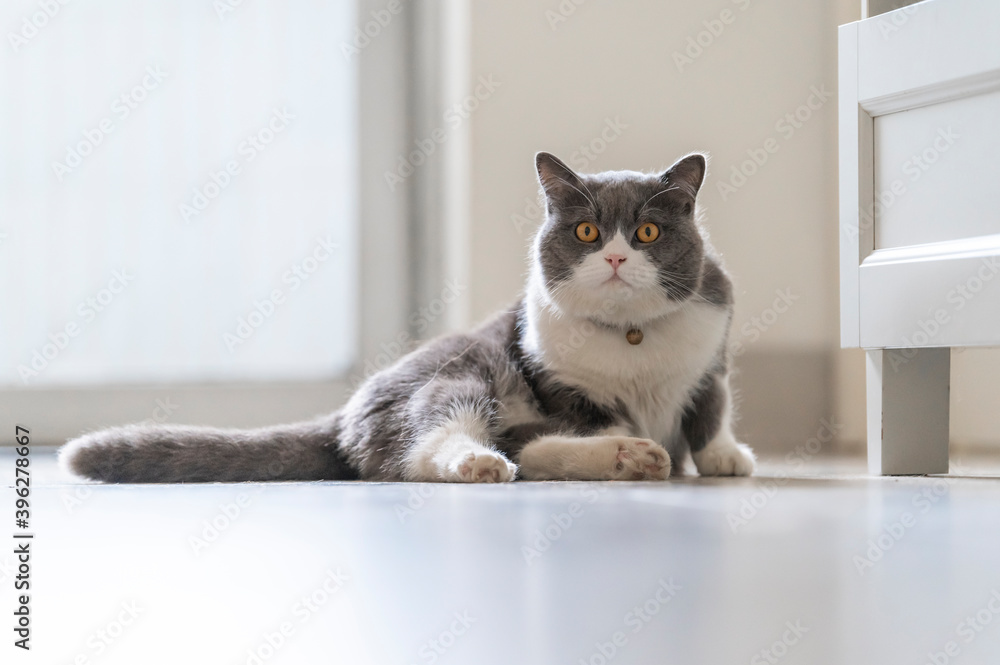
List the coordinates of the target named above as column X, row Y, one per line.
column 725, row 459
column 640, row 459
column 482, row 466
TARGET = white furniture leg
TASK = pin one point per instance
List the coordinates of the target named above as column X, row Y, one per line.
column 908, row 411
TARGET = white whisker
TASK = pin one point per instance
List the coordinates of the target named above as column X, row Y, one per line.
column 668, row 189
column 589, row 198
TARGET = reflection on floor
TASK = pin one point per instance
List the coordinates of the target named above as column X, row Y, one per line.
column 818, row 564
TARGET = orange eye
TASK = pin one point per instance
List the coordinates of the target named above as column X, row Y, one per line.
column 586, row 232
column 648, row 232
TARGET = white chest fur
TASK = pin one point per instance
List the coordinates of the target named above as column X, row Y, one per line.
column 653, row 379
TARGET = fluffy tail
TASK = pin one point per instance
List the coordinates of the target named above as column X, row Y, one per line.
column 184, row 454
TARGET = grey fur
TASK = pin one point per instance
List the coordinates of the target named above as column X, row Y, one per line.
column 702, row 419
column 178, row 453
column 479, row 372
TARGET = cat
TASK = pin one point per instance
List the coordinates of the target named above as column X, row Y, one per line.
column 612, row 366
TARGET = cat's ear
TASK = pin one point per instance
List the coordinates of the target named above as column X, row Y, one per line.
column 687, row 174
column 558, row 180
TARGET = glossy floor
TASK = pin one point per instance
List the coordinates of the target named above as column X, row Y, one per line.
column 820, row 566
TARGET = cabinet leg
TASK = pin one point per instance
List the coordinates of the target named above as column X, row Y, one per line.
column 908, row 393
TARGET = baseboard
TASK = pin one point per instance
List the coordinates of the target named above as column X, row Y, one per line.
column 783, row 401
column 53, row 416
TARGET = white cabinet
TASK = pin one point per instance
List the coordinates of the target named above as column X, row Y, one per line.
column 919, row 213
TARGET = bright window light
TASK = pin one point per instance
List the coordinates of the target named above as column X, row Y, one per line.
column 178, row 194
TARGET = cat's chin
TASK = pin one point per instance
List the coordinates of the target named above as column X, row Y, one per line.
column 630, row 317
column 616, row 284
column 610, row 307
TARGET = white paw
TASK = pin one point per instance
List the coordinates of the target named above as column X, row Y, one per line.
column 481, row 466
column 725, row 459
column 639, row 459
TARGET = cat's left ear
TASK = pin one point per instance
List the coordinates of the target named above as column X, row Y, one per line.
column 687, row 174
column 557, row 180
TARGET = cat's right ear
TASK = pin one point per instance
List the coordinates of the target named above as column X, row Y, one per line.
column 557, row 180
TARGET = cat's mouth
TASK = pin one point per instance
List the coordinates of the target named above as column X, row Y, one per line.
column 616, row 279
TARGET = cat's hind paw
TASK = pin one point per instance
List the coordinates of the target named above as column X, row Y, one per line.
column 482, row 466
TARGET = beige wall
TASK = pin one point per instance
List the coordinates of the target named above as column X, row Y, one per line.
column 562, row 81
column 777, row 232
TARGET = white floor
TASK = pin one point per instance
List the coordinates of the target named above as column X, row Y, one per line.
column 813, row 565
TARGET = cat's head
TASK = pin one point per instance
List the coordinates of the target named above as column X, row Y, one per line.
column 619, row 247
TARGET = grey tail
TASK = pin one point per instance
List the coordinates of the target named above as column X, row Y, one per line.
column 185, row 454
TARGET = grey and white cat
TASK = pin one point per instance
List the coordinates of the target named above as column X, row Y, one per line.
column 613, row 364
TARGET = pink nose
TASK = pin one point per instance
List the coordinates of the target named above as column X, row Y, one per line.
column 614, row 260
